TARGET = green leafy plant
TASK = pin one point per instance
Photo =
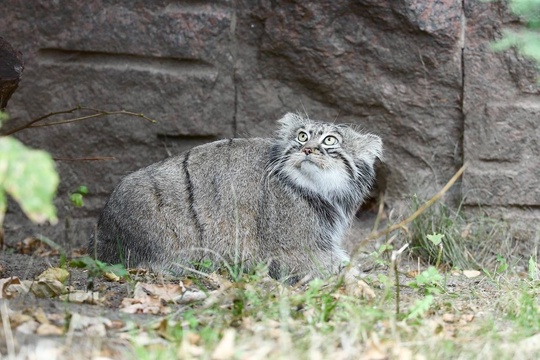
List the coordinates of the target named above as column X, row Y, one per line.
column 429, row 280
column 532, row 269
column 502, row 264
column 420, row 307
column 437, row 236
column 98, row 268
column 436, row 240
column 76, row 197
column 526, row 313
column 29, row 177
column 527, row 39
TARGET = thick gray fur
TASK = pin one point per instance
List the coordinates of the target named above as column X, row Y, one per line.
column 281, row 201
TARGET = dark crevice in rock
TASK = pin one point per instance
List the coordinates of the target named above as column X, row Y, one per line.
column 460, row 157
column 153, row 64
column 187, row 137
column 234, row 50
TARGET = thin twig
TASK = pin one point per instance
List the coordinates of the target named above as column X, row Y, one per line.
column 394, row 260
column 97, row 113
column 95, row 158
column 420, row 210
column 380, row 213
column 22, row 127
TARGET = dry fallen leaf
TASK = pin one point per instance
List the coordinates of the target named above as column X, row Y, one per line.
column 81, row 297
column 75, row 253
column 153, row 298
column 28, row 327
column 52, row 274
column 412, row 274
column 142, row 338
column 45, row 288
column 36, row 247
column 110, row 276
column 374, row 351
column 448, row 318
column 40, row 316
column 225, row 349
column 11, row 287
column 49, row 329
column 354, row 286
column 471, row 273
column 167, row 292
column 28, row 245
column 137, row 271
column 360, row 289
column 467, row 231
column 17, row 318
column 147, row 306
column 90, row 326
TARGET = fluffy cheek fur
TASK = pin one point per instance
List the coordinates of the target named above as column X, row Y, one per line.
column 320, row 174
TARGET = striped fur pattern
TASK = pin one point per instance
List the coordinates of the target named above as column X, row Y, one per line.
column 285, row 202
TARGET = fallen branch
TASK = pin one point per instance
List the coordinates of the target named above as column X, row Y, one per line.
column 97, row 113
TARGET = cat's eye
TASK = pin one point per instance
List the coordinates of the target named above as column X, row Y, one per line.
column 330, row 140
column 302, row 136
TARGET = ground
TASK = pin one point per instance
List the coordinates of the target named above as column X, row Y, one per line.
column 445, row 312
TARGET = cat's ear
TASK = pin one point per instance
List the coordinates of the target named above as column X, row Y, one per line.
column 369, row 147
column 289, row 124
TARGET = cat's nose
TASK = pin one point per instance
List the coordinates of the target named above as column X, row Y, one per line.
column 308, row 150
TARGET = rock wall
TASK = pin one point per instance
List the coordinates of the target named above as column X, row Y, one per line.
column 418, row 73
column 502, row 121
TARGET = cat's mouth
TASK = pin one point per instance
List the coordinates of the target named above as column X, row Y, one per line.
column 308, row 161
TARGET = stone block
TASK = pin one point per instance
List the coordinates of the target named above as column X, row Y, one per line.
column 501, row 145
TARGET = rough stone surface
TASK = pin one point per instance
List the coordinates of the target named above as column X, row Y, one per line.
column 501, row 123
column 419, row 73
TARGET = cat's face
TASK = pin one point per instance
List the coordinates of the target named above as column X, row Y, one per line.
column 325, row 158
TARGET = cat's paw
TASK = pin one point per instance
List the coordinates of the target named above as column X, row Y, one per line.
column 355, row 286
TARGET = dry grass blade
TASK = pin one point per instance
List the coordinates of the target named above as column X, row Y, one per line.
column 7, row 329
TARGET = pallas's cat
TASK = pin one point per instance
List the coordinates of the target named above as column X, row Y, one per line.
column 285, row 202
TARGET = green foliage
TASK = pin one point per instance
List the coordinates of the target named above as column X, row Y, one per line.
column 526, row 313
column 97, row 268
column 532, row 269
column 434, row 227
column 420, row 307
column 527, row 39
column 3, row 117
column 76, row 197
column 502, row 264
column 435, row 238
column 29, row 176
column 382, row 255
column 428, row 280
column 320, row 302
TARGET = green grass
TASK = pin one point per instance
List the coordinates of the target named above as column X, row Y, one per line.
column 443, row 314
column 470, row 241
column 273, row 321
